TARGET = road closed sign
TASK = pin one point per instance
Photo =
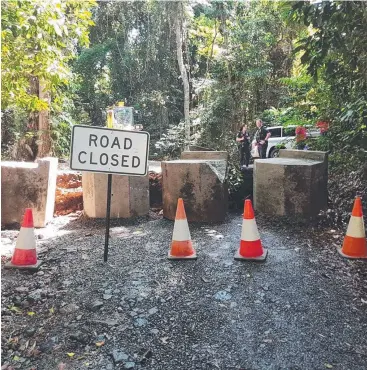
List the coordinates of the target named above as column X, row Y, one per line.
column 99, row 149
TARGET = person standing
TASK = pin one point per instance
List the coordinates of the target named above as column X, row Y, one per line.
column 262, row 135
column 243, row 138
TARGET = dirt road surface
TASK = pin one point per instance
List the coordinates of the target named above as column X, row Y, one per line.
column 304, row 308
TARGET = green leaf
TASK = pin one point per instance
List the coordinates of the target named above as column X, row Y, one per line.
column 15, row 309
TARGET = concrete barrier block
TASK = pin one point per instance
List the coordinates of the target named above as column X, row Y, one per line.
column 201, row 184
column 268, row 176
column 199, row 148
column 130, row 195
column 28, row 185
column 288, row 186
column 203, row 155
column 139, row 195
column 303, row 154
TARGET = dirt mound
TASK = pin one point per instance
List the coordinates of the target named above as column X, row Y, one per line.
column 69, row 180
column 69, row 193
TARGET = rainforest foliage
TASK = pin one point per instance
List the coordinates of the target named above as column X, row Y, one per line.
column 197, row 69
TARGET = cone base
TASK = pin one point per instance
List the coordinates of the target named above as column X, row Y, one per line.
column 350, row 257
column 261, row 258
column 192, row 257
column 34, row 267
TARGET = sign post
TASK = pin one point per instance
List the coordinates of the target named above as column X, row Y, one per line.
column 108, row 216
column 99, row 149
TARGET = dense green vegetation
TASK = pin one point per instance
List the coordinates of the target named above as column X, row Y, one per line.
column 39, row 39
column 226, row 62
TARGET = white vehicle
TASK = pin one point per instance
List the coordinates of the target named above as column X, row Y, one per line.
column 282, row 135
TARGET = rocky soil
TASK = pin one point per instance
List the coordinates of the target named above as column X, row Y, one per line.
column 304, row 308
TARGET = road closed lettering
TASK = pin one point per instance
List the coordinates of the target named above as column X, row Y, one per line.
column 106, row 150
column 115, row 160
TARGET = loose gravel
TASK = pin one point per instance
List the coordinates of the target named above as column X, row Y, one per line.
column 305, row 307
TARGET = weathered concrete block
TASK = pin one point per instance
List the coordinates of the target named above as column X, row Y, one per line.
column 130, row 195
column 212, row 156
column 199, row 148
column 304, row 154
column 287, row 185
column 201, row 184
column 28, row 185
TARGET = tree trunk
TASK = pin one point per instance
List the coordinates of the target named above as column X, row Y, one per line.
column 44, row 144
column 33, row 120
column 39, row 122
column 183, row 71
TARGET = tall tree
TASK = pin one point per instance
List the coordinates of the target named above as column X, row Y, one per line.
column 133, row 56
column 38, row 40
column 180, row 41
column 252, row 52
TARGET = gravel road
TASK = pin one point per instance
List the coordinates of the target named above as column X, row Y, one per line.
column 304, row 308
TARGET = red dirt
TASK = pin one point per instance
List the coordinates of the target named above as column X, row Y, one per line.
column 69, row 193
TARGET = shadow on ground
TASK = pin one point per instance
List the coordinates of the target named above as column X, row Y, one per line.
column 304, row 308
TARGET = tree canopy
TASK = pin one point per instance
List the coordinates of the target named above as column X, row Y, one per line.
column 285, row 62
column 39, row 38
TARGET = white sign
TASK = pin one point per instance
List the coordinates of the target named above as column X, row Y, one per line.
column 99, row 149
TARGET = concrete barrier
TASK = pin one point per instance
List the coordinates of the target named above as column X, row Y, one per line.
column 199, row 148
column 130, row 195
column 28, row 185
column 205, row 155
column 295, row 184
column 202, row 185
column 304, row 154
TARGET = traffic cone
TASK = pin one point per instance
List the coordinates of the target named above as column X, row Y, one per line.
column 25, row 256
column 181, row 246
column 250, row 247
column 354, row 245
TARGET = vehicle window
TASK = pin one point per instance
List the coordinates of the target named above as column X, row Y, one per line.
column 275, row 132
column 289, row 131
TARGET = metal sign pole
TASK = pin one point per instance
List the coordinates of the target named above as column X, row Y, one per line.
column 111, row 151
column 108, row 214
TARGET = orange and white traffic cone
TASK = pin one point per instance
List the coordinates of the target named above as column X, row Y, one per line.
column 25, row 256
column 354, row 245
column 251, row 248
column 181, row 246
